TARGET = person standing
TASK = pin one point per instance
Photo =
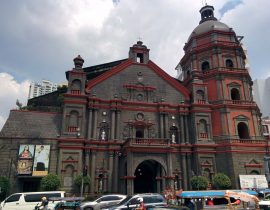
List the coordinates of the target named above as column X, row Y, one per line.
column 41, row 157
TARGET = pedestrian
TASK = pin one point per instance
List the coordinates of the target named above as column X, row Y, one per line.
column 44, row 204
column 141, row 207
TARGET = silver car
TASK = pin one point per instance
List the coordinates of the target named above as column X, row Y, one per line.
column 104, row 201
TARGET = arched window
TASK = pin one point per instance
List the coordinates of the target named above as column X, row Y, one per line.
column 242, row 129
column 200, row 96
column 254, row 172
column 73, row 118
column 229, row 63
column 202, row 128
column 205, row 66
column 73, row 124
column 235, row 95
column 76, row 86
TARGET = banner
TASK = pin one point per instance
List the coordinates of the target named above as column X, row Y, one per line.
column 41, row 160
column 25, row 159
column 253, row 182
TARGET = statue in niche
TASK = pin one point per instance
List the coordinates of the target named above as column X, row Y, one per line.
column 173, row 138
column 103, row 135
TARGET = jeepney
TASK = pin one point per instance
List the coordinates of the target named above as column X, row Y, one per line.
column 221, row 199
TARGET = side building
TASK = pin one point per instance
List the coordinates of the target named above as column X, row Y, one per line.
column 137, row 129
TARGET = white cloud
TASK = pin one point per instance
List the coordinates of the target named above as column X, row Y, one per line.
column 40, row 39
column 11, row 90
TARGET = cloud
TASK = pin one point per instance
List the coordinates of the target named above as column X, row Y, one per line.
column 229, row 6
column 40, row 39
column 11, row 90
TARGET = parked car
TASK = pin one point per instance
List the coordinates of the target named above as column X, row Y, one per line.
column 150, row 200
column 104, row 201
column 28, row 200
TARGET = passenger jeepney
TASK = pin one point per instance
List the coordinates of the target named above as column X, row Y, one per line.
column 221, row 199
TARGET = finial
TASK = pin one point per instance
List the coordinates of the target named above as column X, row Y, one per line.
column 78, row 62
column 139, row 41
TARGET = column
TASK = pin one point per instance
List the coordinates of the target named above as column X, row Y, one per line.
column 113, row 125
column 189, row 174
column 182, row 129
column 90, row 121
column 255, row 121
column 163, row 180
column 184, row 171
column 118, row 124
column 130, row 186
column 166, row 126
column 110, row 172
column 95, row 123
column 169, row 165
column 161, row 123
column 186, row 129
column 115, row 172
column 93, row 171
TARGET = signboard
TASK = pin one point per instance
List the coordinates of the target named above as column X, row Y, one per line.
column 253, row 181
column 41, row 160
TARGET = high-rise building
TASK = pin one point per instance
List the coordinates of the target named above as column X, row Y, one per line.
column 261, row 89
column 37, row 89
column 133, row 128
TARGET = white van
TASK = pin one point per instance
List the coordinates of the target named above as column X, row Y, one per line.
column 28, row 200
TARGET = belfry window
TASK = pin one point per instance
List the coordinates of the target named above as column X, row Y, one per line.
column 202, row 128
column 242, row 129
column 235, row 95
column 205, row 66
column 139, row 57
column 229, row 63
column 76, row 86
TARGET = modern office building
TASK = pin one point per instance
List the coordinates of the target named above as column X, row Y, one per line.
column 261, row 89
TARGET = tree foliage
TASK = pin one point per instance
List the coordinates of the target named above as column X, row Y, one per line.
column 78, row 180
column 50, row 182
column 221, row 181
column 4, row 184
column 199, row 183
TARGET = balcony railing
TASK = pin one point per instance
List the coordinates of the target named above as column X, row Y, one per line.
column 252, row 140
column 236, row 102
column 147, row 142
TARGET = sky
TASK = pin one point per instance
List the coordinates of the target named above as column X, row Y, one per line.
column 39, row 39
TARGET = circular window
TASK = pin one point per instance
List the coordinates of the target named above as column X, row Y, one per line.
column 139, row 97
column 140, row 116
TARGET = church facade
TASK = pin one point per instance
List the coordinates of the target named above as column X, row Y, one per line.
column 133, row 128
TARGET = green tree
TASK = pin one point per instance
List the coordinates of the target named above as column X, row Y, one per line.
column 4, row 184
column 199, row 183
column 78, row 180
column 221, row 181
column 50, row 182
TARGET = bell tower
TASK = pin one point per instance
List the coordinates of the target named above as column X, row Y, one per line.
column 222, row 111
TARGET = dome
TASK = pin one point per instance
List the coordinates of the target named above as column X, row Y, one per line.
column 210, row 25
column 209, row 22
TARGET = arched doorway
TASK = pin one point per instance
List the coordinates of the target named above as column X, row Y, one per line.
column 148, row 177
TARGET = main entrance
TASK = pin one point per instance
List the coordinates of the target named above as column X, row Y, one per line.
column 147, row 177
